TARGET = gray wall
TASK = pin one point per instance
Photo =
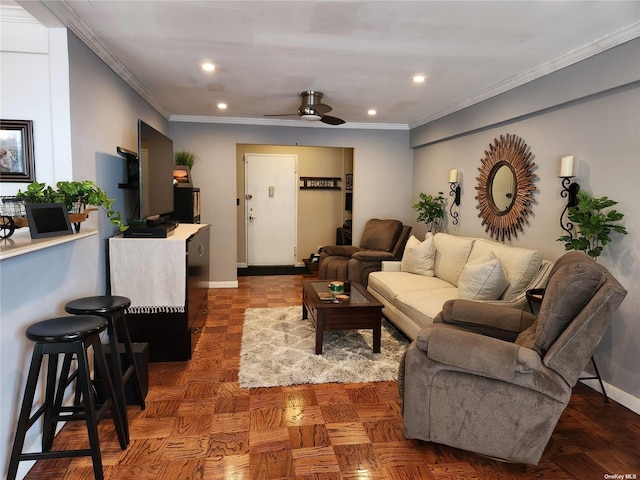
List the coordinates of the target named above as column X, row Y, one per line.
column 104, row 115
column 382, row 167
column 602, row 130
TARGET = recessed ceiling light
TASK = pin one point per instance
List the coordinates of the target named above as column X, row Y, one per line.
column 371, row 111
column 208, row 67
column 222, row 106
column 418, row 79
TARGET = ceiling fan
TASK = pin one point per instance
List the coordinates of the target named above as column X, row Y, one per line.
column 313, row 109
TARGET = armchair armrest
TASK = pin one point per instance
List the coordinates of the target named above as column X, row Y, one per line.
column 495, row 321
column 340, row 250
column 469, row 351
column 372, row 256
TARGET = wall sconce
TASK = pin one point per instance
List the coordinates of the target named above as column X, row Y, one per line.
column 455, row 193
column 569, row 190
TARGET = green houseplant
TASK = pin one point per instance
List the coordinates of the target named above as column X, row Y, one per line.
column 75, row 195
column 594, row 225
column 430, row 210
column 185, row 158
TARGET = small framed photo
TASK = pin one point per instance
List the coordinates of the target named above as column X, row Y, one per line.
column 349, row 182
column 16, row 151
column 48, row 220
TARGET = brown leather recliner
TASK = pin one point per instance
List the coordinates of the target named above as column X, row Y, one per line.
column 381, row 240
column 472, row 382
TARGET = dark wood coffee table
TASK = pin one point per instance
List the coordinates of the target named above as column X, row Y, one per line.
column 360, row 311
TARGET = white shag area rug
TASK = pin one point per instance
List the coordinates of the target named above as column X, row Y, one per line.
column 278, row 348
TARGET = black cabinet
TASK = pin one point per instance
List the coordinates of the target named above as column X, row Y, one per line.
column 186, row 204
column 172, row 335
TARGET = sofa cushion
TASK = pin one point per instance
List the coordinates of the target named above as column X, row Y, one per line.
column 482, row 279
column 452, row 253
column 392, row 284
column 381, row 234
column 419, row 257
column 520, row 264
column 569, row 289
column 423, row 306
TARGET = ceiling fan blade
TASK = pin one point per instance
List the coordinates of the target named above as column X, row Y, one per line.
column 322, row 108
column 328, row 119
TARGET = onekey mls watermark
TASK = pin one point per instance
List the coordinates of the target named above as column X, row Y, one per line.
column 620, row 476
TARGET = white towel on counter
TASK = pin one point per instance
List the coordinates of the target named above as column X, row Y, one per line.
column 151, row 272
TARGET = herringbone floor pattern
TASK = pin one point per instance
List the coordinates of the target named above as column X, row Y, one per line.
column 200, row 425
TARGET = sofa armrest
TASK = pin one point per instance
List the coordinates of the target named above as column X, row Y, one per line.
column 340, row 250
column 493, row 320
column 372, row 256
column 391, row 266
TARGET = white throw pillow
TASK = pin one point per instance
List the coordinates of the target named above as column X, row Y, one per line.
column 483, row 279
column 419, row 257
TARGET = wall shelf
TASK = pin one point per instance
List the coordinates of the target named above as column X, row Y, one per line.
column 320, row 183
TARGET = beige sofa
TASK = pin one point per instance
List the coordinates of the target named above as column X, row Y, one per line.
column 447, row 267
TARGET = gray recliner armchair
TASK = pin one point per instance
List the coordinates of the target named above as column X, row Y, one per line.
column 495, row 380
column 381, row 240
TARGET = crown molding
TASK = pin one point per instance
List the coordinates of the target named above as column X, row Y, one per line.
column 286, row 123
column 16, row 14
column 623, row 35
column 62, row 10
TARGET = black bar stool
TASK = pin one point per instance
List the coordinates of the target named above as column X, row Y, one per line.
column 71, row 336
column 112, row 307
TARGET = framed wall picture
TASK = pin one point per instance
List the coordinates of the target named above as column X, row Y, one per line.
column 16, row 151
column 348, row 182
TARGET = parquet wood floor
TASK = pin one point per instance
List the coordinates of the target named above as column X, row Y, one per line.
column 199, row 425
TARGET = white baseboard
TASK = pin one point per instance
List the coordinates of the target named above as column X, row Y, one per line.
column 226, row 284
column 614, row 393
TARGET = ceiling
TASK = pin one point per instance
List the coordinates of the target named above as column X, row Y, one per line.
column 362, row 55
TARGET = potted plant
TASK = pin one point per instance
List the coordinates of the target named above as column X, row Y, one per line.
column 593, row 224
column 185, row 158
column 430, row 211
column 76, row 196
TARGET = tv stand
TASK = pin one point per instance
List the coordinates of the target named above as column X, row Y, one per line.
column 171, row 330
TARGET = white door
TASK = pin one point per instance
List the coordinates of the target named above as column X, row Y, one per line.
column 271, row 188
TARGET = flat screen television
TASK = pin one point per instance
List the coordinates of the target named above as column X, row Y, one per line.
column 155, row 164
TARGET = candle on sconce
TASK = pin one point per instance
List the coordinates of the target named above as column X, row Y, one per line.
column 566, row 166
column 453, row 176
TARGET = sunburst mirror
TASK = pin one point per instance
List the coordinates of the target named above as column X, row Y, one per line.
column 505, row 187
